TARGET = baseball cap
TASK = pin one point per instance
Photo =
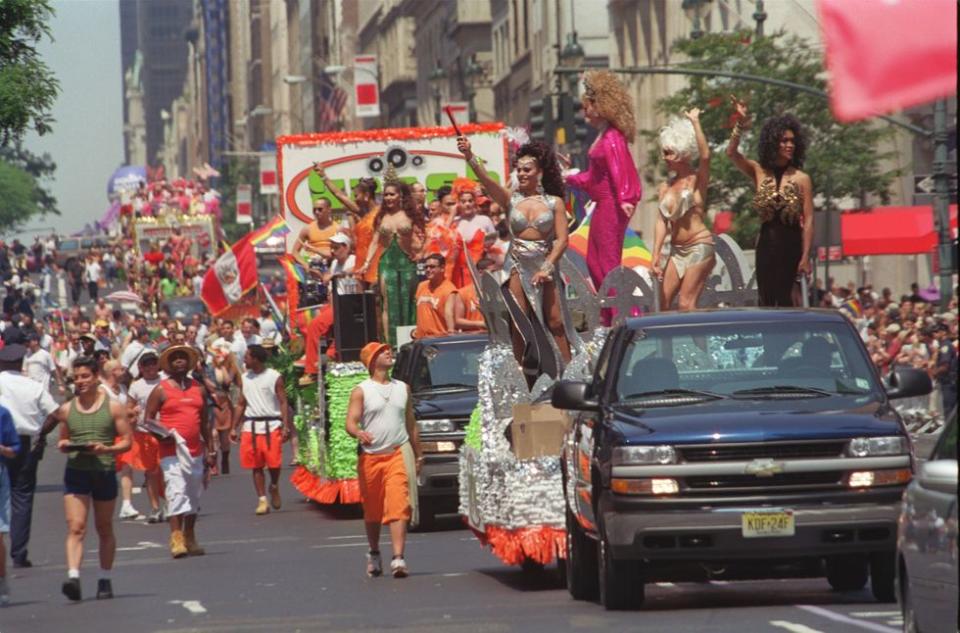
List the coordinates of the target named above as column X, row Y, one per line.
column 102, row 323
column 893, row 328
column 340, row 238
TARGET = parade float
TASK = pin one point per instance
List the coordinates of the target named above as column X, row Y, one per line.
column 327, row 469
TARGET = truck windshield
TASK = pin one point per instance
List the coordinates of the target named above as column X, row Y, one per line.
column 746, row 360
column 452, row 365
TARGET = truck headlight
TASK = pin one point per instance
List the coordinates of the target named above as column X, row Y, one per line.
column 877, row 446
column 644, row 455
column 436, row 426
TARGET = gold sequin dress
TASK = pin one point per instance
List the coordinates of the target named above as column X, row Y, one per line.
column 780, row 245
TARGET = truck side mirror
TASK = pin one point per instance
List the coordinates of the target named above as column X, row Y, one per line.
column 907, row 382
column 573, row 396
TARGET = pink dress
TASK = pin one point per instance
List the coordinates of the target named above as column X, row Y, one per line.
column 610, row 180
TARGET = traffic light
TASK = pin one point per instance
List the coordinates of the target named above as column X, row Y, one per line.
column 542, row 124
column 579, row 124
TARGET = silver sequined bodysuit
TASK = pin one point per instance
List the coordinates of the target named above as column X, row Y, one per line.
column 526, row 258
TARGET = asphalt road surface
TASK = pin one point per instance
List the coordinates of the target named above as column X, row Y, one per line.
column 302, row 569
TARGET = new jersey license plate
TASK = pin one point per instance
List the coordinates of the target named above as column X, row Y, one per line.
column 767, row 523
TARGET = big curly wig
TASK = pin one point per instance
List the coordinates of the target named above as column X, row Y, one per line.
column 552, row 179
column 612, row 100
column 770, row 135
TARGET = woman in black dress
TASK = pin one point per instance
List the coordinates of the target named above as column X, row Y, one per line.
column 784, row 202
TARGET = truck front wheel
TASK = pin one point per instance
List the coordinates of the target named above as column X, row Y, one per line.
column 581, row 562
column 847, row 572
column 621, row 581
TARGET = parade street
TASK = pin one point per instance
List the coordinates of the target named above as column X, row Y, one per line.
column 301, row 569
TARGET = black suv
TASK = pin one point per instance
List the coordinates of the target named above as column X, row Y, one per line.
column 733, row 444
column 442, row 374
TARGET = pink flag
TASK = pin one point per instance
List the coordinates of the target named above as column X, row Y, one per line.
column 886, row 55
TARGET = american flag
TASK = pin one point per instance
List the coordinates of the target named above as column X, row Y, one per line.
column 331, row 99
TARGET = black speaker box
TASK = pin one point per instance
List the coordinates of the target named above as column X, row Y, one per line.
column 354, row 323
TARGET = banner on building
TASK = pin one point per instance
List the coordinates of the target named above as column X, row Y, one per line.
column 366, row 86
column 425, row 155
column 268, row 174
column 244, row 204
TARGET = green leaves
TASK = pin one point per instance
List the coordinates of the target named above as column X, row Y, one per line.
column 28, row 88
column 844, row 161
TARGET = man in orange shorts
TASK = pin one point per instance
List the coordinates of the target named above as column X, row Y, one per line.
column 145, row 452
column 263, row 410
column 380, row 416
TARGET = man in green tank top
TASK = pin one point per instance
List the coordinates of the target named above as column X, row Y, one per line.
column 93, row 430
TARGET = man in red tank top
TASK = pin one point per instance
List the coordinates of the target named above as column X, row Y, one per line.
column 176, row 405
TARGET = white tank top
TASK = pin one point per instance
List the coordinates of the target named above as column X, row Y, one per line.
column 384, row 415
column 259, row 391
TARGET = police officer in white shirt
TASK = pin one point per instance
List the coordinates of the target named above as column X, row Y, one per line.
column 31, row 407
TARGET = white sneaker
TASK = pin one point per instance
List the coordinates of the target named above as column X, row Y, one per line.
column 374, row 564
column 4, row 592
column 398, row 567
column 129, row 513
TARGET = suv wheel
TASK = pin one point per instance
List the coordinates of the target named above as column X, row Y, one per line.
column 621, row 583
column 847, row 572
column 581, row 562
column 883, row 576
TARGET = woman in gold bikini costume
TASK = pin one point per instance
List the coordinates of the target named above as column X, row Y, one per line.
column 399, row 237
column 784, row 202
column 680, row 221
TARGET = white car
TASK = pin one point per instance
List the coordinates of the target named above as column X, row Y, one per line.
column 927, row 541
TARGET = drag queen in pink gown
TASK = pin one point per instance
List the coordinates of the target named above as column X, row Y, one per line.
column 611, row 179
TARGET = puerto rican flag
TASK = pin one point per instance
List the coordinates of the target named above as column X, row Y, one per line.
column 231, row 276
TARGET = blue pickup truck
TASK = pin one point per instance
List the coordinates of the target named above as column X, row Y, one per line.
column 733, row 444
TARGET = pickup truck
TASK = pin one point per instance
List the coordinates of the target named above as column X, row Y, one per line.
column 733, row 444
column 442, row 374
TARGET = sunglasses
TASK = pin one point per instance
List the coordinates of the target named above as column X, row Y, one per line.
column 429, row 266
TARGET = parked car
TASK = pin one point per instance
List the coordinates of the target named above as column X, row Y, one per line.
column 927, row 541
column 183, row 308
column 733, row 444
column 442, row 374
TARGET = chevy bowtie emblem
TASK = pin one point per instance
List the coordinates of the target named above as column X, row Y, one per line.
column 765, row 467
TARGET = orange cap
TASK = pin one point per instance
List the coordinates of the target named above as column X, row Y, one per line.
column 370, row 352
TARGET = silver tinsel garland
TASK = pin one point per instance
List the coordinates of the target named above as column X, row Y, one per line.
column 495, row 487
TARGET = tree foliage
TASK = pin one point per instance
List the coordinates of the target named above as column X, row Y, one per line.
column 844, row 161
column 18, row 192
column 28, row 88
column 40, row 168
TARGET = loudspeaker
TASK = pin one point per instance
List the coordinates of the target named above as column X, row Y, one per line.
column 354, row 323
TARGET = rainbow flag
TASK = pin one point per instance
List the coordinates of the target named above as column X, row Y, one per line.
column 277, row 227
column 852, row 307
column 296, row 274
column 635, row 251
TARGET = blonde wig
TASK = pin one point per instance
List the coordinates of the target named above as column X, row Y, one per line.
column 612, row 100
column 678, row 135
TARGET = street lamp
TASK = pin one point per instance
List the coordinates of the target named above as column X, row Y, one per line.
column 693, row 9
column 474, row 75
column 436, row 78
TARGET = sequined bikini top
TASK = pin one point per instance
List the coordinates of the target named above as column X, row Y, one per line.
column 402, row 226
column 785, row 202
column 543, row 223
column 673, row 209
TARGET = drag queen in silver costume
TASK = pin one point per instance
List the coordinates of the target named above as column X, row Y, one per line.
column 542, row 329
